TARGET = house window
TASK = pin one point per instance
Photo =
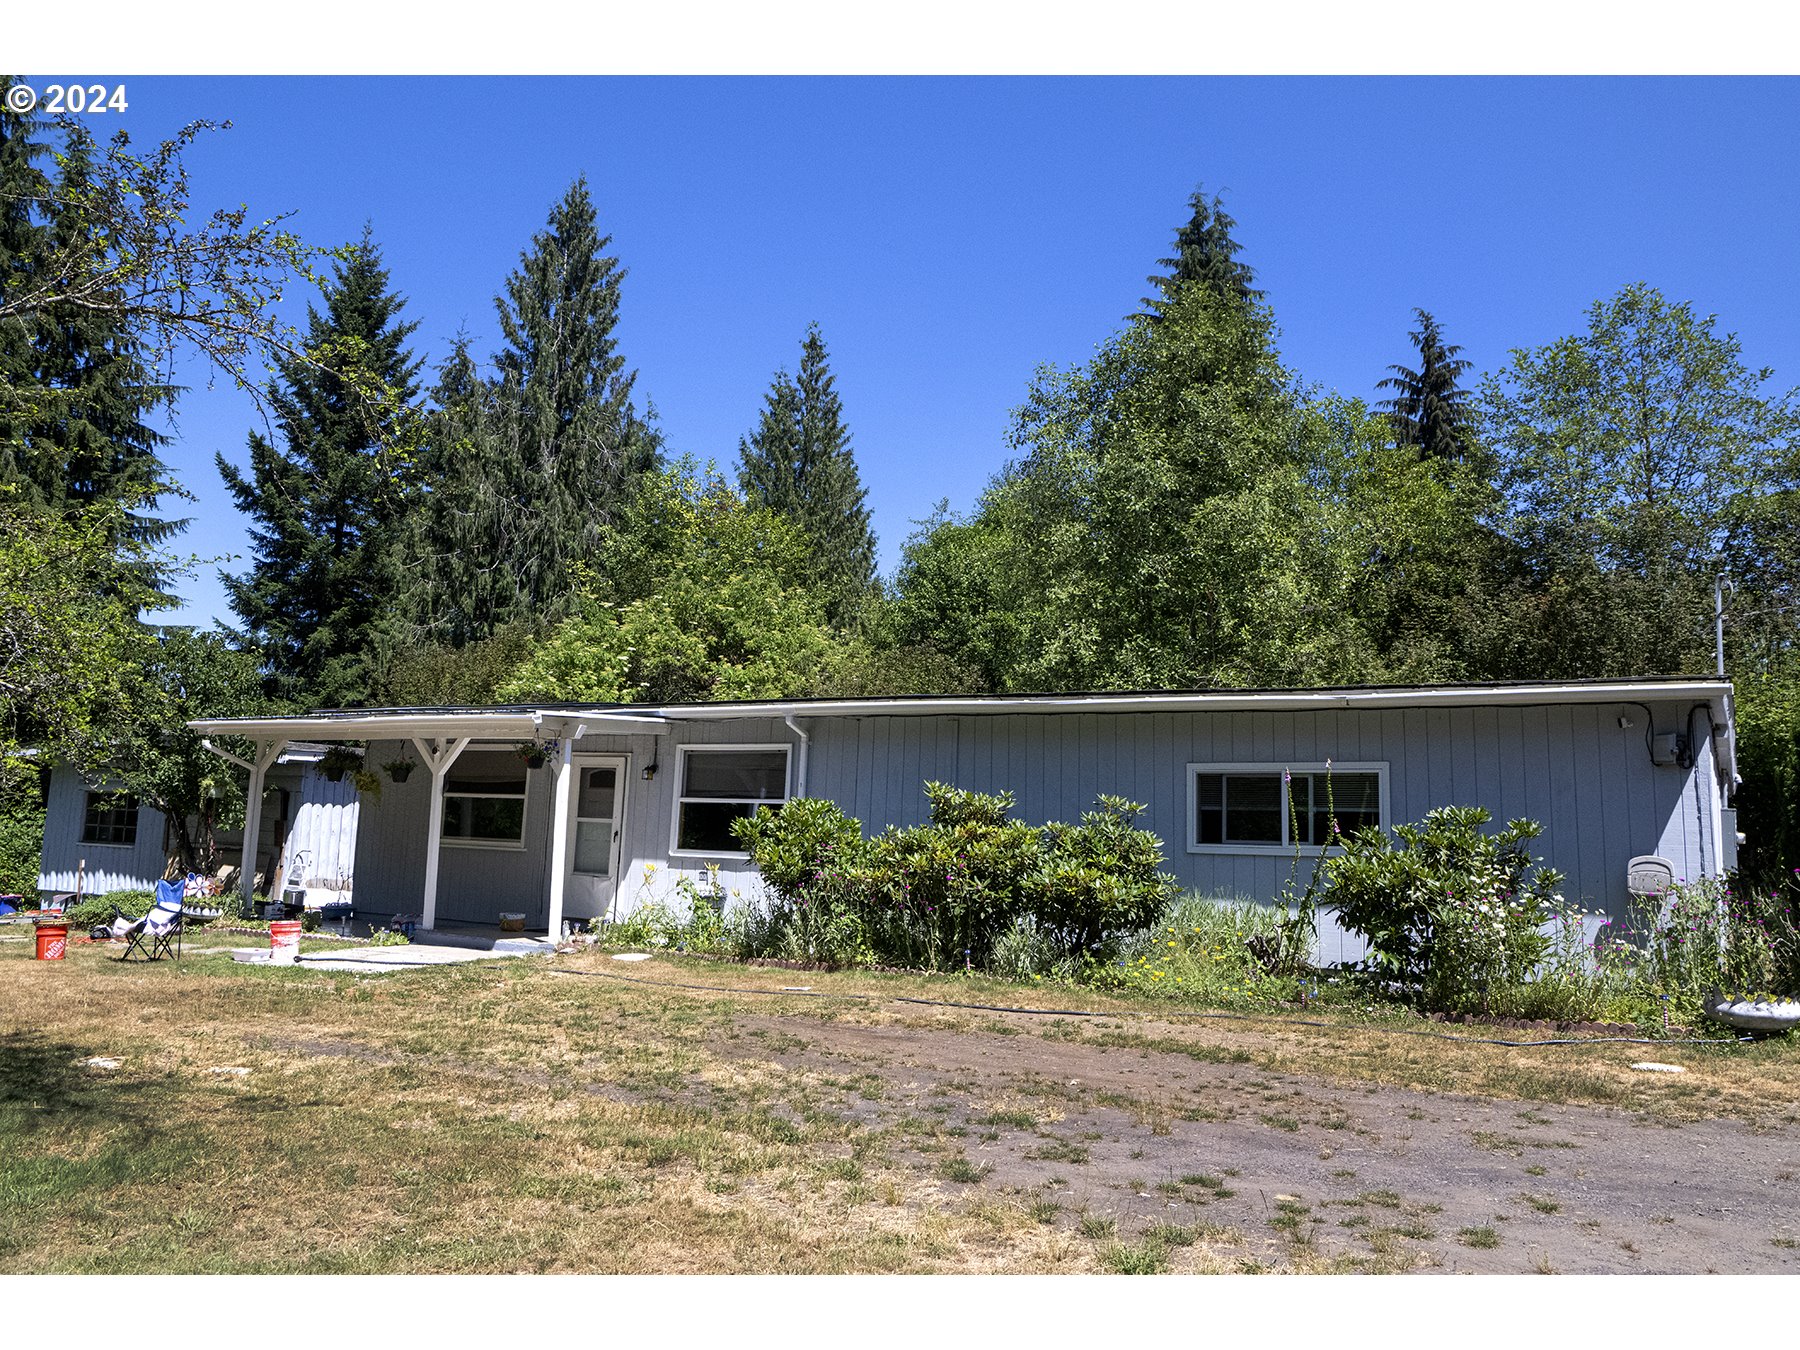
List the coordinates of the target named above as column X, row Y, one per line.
column 484, row 800
column 1250, row 808
column 720, row 786
column 111, row 818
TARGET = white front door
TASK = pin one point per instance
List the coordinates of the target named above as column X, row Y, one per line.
column 596, row 827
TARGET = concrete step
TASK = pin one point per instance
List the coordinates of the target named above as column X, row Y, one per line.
column 493, row 941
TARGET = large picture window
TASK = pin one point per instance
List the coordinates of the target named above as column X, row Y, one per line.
column 484, row 800
column 717, row 787
column 1254, row 808
column 110, row 818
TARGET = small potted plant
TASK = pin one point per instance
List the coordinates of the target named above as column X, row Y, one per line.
column 532, row 753
column 340, row 760
column 399, row 769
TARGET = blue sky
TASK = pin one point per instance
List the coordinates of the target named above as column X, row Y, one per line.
column 949, row 235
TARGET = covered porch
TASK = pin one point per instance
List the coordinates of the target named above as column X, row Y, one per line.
column 540, row 863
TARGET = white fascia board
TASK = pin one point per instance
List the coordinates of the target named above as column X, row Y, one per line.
column 508, row 726
column 377, row 726
column 1235, row 701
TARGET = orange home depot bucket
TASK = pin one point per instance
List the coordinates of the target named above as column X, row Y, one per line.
column 284, row 942
column 52, row 941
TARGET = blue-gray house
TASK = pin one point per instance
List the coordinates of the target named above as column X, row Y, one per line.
column 564, row 812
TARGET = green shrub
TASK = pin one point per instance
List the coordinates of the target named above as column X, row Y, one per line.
column 389, row 937
column 1708, row 935
column 98, row 909
column 21, row 845
column 1212, row 951
column 1100, row 880
column 972, row 887
column 1456, row 915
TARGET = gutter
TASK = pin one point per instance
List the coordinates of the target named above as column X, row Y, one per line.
column 805, row 745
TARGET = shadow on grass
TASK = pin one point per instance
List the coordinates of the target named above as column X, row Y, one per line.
column 44, row 1085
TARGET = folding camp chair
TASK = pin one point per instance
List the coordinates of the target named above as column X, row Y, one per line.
column 152, row 936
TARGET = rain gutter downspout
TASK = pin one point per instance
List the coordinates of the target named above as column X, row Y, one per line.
column 805, row 745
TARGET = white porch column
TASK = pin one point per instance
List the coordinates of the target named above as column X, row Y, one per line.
column 267, row 752
column 562, row 784
column 438, row 759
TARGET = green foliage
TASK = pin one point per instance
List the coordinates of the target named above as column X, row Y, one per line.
column 1100, row 880
column 1635, row 457
column 703, row 598
column 798, row 464
column 1768, row 740
column 431, row 675
column 1205, row 258
column 118, row 247
column 1429, row 412
column 70, row 591
column 185, row 675
column 389, row 937
column 1205, row 950
column 318, row 602
column 21, row 837
column 95, row 910
column 1450, row 911
column 971, row 888
column 1707, row 936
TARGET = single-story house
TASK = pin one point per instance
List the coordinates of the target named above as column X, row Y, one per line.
column 98, row 834
column 627, row 796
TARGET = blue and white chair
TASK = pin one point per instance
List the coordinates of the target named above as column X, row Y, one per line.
column 153, row 936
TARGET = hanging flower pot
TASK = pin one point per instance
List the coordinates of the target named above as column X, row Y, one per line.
column 338, row 761
column 532, row 753
column 399, row 769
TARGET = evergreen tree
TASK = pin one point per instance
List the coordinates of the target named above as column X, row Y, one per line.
column 1429, row 411
column 799, row 464
column 77, row 393
column 464, row 522
column 1205, row 253
column 318, row 603
column 564, row 416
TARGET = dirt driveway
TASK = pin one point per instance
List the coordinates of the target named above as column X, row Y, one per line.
column 1294, row 1172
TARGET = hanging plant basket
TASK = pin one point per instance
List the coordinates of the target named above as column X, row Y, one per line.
column 532, row 753
column 338, row 761
column 399, row 770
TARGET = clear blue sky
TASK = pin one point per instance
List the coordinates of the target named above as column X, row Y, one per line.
column 951, row 234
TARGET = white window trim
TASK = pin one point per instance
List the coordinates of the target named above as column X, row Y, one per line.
column 1378, row 767
column 448, row 840
column 681, row 757
column 137, row 825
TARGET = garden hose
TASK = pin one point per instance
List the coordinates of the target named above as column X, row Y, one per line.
column 1164, row 1016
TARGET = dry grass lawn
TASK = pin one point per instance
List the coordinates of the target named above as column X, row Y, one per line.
column 533, row 1115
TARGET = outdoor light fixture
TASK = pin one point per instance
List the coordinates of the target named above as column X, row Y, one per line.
column 1625, row 724
column 650, row 771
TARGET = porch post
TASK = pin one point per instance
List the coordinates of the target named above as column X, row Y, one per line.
column 267, row 752
column 438, row 760
column 561, row 786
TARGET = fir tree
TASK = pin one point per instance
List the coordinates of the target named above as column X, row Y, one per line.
column 1205, row 253
column 798, row 463
column 1428, row 411
column 564, row 412
column 465, row 521
column 77, row 393
column 318, row 603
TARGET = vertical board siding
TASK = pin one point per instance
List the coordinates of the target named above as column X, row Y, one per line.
column 1572, row 768
column 110, row 867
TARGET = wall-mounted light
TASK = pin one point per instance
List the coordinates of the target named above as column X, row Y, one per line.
column 650, row 771
column 1625, row 724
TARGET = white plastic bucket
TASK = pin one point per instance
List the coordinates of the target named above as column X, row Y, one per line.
column 284, row 942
